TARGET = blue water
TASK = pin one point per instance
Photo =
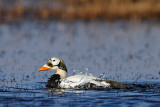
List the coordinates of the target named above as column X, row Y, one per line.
column 125, row 51
column 32, row 94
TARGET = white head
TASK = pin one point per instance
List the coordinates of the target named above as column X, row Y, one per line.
column 55, row 64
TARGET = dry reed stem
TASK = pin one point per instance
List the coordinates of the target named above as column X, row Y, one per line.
column 84, row 9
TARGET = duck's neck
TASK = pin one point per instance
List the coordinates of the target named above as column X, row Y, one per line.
column 62, row 73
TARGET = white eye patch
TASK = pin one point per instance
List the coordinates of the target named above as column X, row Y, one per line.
column 55, row 61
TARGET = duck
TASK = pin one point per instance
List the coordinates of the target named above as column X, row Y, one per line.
column 59, row 80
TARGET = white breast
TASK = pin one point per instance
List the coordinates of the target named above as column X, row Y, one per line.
column 80, row 80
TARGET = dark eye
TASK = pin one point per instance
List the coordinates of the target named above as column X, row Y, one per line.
column 53, row 60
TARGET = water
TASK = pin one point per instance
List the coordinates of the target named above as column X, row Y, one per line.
column 124, row 51
column 33, row 94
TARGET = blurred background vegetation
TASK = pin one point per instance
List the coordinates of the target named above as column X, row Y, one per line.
column 79, row 9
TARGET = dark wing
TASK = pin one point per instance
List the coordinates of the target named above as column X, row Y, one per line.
column 115, row 84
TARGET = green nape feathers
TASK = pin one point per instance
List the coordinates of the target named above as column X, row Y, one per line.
column 62, row 65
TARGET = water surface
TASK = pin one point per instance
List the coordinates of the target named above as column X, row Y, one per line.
column 124, row 51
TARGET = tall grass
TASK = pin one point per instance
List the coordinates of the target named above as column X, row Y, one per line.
column 80, row 9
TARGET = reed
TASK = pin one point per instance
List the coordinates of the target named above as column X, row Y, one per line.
column 80, row 9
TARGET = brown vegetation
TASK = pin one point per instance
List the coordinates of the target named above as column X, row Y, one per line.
column 80, row 9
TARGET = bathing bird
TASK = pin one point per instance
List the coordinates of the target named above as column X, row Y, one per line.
column 60, row 80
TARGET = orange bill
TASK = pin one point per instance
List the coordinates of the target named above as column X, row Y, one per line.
column 44, row 68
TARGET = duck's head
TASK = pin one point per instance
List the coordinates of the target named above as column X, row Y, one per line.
column 54, row 64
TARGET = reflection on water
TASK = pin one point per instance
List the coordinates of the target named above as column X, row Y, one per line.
column 119, row 51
